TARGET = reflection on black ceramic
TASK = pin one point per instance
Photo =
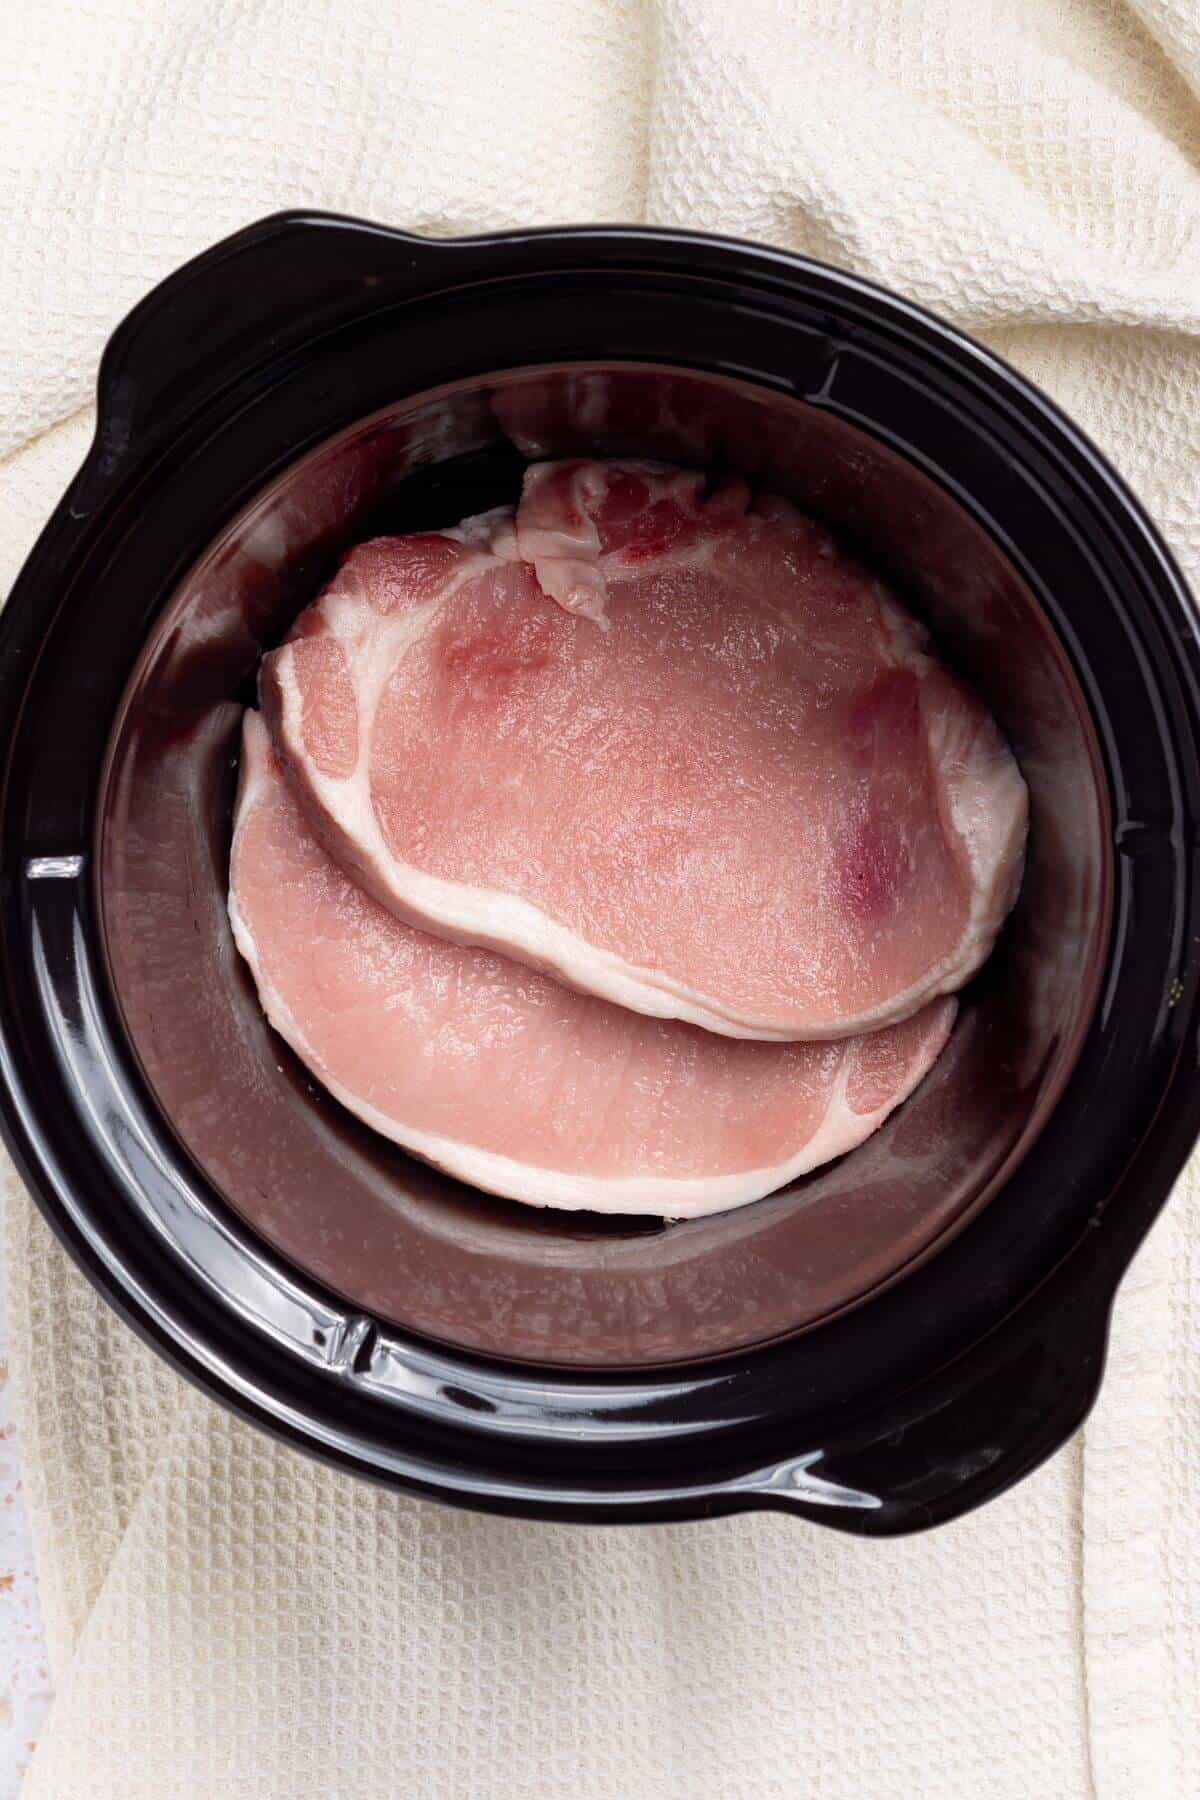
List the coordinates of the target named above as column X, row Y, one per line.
column 386, row 390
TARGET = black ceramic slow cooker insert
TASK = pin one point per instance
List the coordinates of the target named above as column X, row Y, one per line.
column 887, row 1342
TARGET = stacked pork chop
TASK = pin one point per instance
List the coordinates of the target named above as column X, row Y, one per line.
column 621, row 851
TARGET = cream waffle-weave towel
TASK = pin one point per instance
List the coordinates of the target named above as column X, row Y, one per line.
column 226, row 1619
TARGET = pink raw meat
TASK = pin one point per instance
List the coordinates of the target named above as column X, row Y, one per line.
column 674, row 747
column 503, row 1077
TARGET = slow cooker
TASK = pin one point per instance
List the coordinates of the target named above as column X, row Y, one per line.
column 881, row 1346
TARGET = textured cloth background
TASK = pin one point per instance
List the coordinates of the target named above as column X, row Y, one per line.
column 226, row 1619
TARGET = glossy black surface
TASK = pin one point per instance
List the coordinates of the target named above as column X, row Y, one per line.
column 936, row 1394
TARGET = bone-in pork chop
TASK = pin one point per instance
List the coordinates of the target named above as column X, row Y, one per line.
column 505, row 1078
column 672, row 745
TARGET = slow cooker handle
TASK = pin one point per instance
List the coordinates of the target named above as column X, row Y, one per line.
column 297, row 276
column 966, row 1434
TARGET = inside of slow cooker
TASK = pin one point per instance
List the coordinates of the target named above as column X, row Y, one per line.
column 410, row 1246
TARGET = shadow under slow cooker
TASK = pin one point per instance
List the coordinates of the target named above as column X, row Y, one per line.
column 411, row 1246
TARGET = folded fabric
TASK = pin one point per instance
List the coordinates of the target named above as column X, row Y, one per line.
column 227, row 1619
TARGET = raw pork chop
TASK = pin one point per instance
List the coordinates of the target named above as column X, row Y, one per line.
column 674, row 747
column 503, row 1077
